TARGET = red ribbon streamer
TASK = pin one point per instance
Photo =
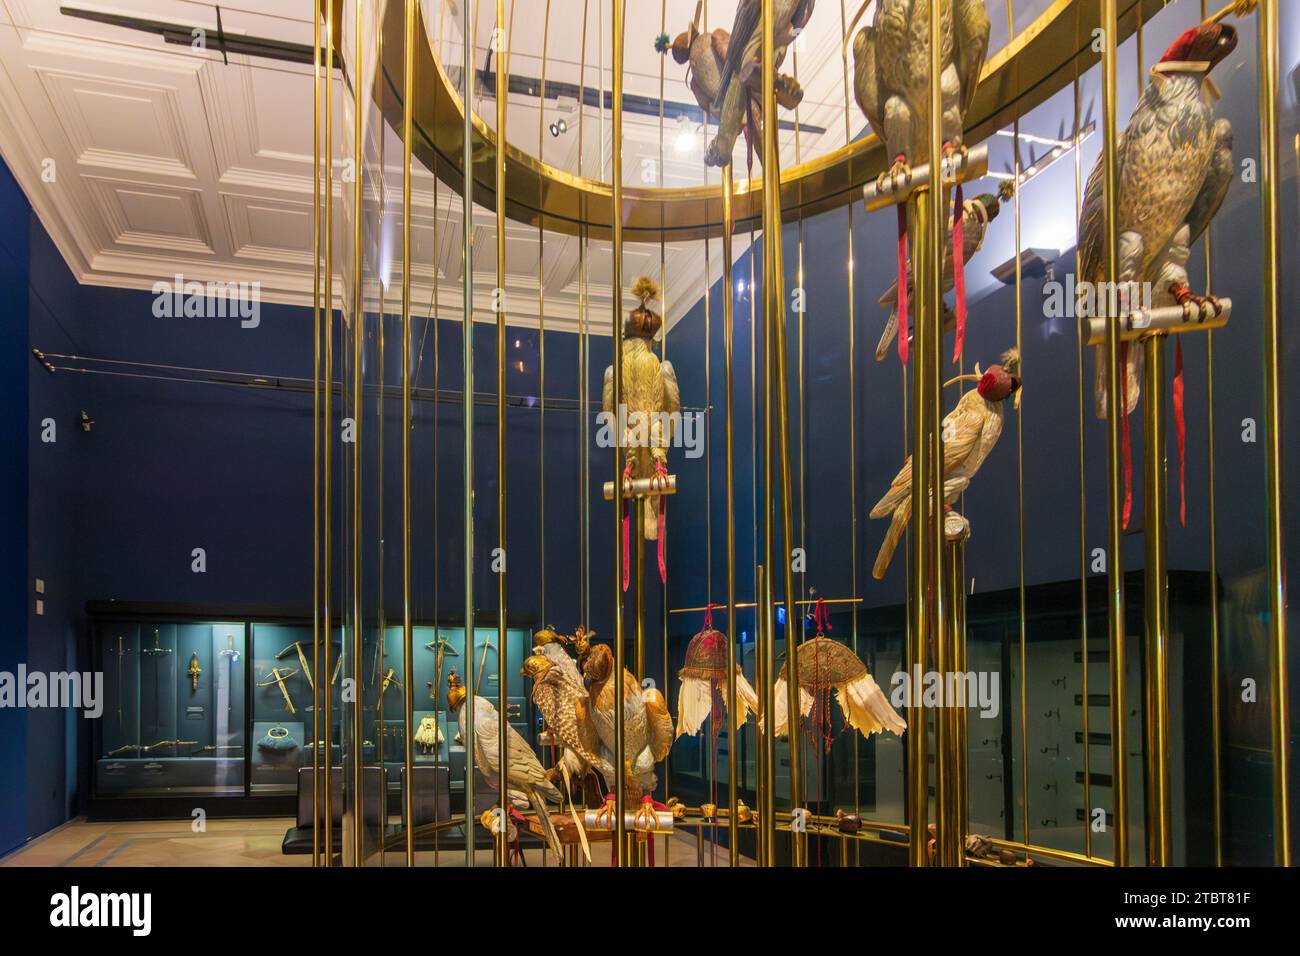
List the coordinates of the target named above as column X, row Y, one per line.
column 821, row 617
column 627, row 545
column 959, row 271
column 903, row 344
column 1180, row 429
column 1128, row 445
column 663, row 521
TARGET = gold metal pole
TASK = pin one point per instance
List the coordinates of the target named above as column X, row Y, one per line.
column 616, row 294
column 358, row 337
column 467, row 404
column 408, row 659
column 327, row 687
column 315, row 432
column 728, row 348
column 963, row 712
column 917, row 750
column 774, row 306
column 1020, row 482
column 765, row 787
column 1083, row 492
column 503, row 651
column 1117, row 406
column 1279, row 683
column 1159, row 836
column 853, row 417
column 951, row 768
column 541, row 321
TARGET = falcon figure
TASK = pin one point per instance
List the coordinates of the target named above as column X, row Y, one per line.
column 969, row 433
column 978, row 213
column 891, row 78
column 647, row 725
column 740, row 83
column 1175, row 165
column 561, row 698
column 524, row 773
column 647, row 412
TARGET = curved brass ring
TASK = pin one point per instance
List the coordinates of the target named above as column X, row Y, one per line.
column 1029, row 69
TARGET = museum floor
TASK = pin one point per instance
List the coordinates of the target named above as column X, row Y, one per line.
column 237, row 843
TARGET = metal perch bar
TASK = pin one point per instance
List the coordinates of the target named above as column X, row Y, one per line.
column 1170, row 319
column 642, row 487
column 958, row 168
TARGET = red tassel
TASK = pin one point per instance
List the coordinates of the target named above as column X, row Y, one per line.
column 1180, row 430
column 903, row 344
column 663, row 520
column 627, row 544
column 959, row 271
column 1128, row 445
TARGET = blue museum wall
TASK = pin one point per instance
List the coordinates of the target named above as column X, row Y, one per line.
column 56, row 477
column 14, row 363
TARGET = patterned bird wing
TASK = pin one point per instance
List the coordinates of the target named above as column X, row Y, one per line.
column 487, row 747
column 659, row 723
column 672, row 401
column 558, row 702
column 899, row 489
column 866, row 84
column 970, row 45
column 961, row 433
column 744, row 31
column 802, row 14
column 607, row 391
column 1215, row 188
column 962, row 428
column 1092, row 224
column 525, row 771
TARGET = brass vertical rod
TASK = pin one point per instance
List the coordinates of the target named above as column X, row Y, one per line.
column 1216, row 723
column 503, row 650
column 1279, row 683
column 917, row 749
column 408, row 659
column 1159, row 837
column 1020, row 482
column 1083, row 493
column 327, row 688
column 316, row 423
column 541, row 321
column 638, row 574
column 766, row 785
column 774, row 302
column 616, row 295
column 584, row 446
column 1116, row 407
column 728, row 349
column 962, row 809
column 953, row 715
column 853, row 419
column 467, row 404
column 358, row 338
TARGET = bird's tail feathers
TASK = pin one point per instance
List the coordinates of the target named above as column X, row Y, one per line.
column 537, row 797
column 902, row 514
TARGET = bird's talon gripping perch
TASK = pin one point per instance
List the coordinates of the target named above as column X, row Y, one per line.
column 900, row 171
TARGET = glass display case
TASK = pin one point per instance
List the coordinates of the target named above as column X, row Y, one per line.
column 189, row 711
column 175, row 705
